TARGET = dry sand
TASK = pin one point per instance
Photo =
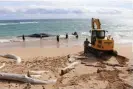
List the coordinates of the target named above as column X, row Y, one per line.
column 91, row 73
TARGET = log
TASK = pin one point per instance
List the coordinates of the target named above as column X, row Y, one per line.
column 35, row 76
column 71, row 59
column 3, row 65
column 24, row 78
column 12, row 56
column 38, row 72
column 68, row 68
column 81, row 57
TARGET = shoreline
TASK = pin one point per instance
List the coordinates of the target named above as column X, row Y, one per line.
column 50, row 42
column 43, row 43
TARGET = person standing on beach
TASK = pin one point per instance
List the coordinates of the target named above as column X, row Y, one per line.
column 40, row 36
column 86, row 44
column 57, row 37
column 66, row 35
column 23, row 37
column 77, row 36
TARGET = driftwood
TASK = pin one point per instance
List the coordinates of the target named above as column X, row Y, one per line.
column 71, row 59
column 38, row 72
column 24, row 78
column 3, row 65
column 81, row 57
column 68, row 68
column 12, row 56
column 35, row 76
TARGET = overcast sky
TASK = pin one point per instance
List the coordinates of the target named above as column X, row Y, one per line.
column 46, row 9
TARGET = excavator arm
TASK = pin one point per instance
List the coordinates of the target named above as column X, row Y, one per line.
column 97, row 22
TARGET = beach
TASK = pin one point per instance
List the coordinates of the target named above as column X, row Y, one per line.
column 85, row 75
column 66, row 44
column 44, row 63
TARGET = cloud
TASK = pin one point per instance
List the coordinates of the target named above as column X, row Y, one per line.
column 52, row 11
column 66, row 8
column 34, row 9
column 109, row 11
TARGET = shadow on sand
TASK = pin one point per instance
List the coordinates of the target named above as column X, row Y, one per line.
column 91, row 60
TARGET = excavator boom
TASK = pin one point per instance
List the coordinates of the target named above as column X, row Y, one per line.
column 97, row 22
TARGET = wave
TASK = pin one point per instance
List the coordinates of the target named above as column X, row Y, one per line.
column 124, row 41
column 16, row 39
column 123, row 34
column 4, row 41
column 85, row 33
column 28, row 22
column 119, row 37
column 63, row 36
column 18, row 23
column 8, row 23
column 10, row 40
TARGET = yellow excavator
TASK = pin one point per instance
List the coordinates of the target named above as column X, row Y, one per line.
column 100, row 43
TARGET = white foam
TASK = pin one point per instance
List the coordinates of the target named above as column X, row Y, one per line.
column 18, row 23
column 124, row 34
column 85, row 33
column 4, row 40
column 64, row 36
column 11, row 39
column 27, row 22
column 3, row 24
column 124, row 41
column 8, row 23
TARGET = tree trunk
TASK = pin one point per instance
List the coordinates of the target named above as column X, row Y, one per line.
column 24, row 78
column 68, row 68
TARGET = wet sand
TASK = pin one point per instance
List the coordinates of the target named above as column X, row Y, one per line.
column 43, row 43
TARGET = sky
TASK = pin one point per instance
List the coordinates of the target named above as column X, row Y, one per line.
column 60, row 9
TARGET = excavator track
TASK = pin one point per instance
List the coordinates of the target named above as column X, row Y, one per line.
column 101, row 54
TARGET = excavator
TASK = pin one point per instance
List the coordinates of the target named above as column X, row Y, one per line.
column 100, row 43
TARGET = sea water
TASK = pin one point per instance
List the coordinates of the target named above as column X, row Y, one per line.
column 120, row 29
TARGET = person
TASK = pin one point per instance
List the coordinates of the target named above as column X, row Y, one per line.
column 23, row 37
column 66, row 35
column 57, row 37
column 86, row 44
column 77, row 36
column 40, row 36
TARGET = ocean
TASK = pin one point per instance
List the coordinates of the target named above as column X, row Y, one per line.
column 120, row 29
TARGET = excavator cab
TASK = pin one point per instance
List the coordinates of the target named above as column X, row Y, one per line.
column 97, row 34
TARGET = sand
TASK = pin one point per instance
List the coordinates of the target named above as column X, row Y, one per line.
column 91, row 73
